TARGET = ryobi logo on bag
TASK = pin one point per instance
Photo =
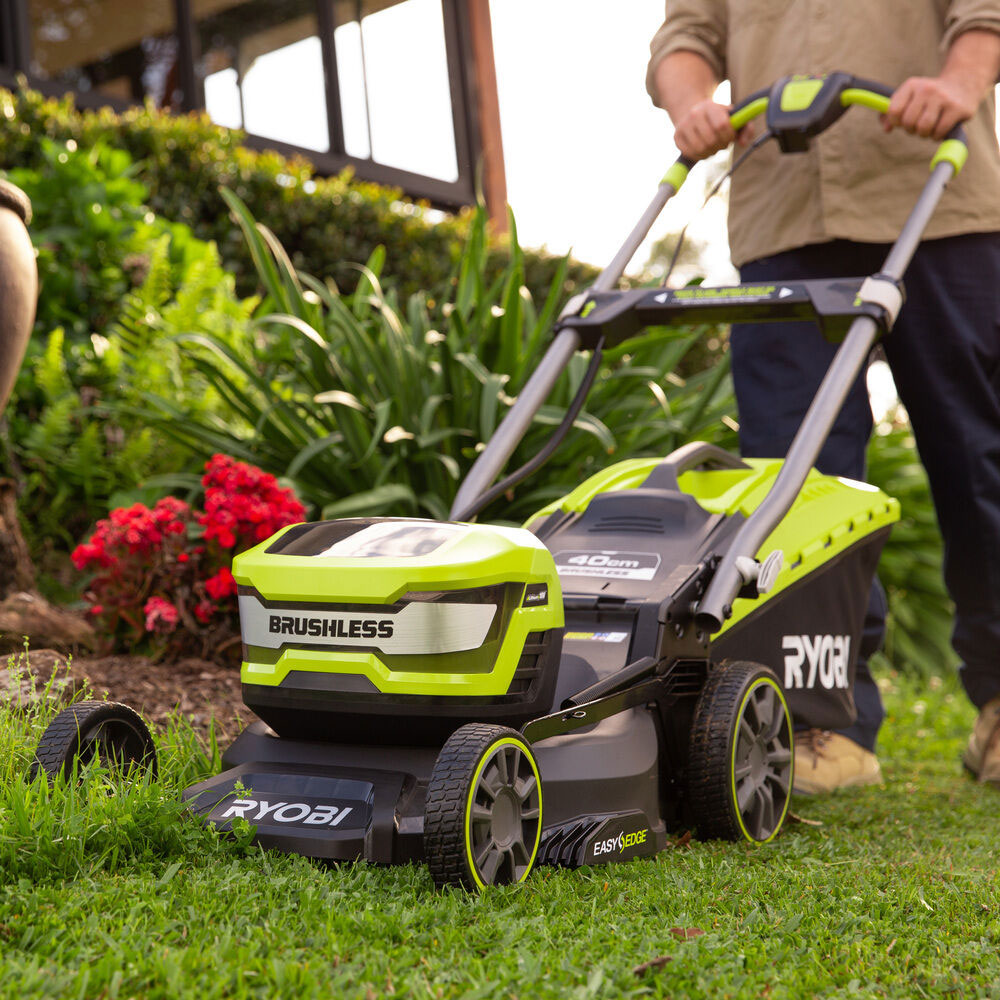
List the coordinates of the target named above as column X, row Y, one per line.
column 809, row 658
column 255, row 810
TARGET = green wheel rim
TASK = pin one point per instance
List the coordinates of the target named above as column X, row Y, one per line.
column 762, row 761
column 503, row 814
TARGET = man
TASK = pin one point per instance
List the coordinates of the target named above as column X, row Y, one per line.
column 832, row 212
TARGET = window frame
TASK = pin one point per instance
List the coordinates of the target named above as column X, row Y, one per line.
column 15, row 59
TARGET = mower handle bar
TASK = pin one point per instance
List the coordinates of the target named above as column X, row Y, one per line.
column 716, row 605
column 832, row 95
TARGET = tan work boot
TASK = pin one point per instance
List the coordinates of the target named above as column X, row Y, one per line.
column 826, row 761
column 982, row 755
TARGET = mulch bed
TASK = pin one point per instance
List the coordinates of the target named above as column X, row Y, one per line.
column 197, row 689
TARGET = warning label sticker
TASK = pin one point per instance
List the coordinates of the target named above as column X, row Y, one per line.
column 595, row 636
column 610, row 565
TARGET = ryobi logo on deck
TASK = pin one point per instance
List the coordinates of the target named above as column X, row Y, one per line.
column 339, row 628
column 616, row 845
column 816, row 657
column 254, row 810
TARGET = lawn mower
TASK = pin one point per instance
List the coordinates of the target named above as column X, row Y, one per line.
column 486, row 699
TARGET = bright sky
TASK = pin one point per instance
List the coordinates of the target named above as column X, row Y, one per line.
column 584, row 146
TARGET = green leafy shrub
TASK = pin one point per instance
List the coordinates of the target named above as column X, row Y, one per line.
column 89, row 230
column 325, row 224
column 918, row 636
column 117, row 282
column 367, row 404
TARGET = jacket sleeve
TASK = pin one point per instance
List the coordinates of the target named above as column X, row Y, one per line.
column 699, row 26
column 965, row 15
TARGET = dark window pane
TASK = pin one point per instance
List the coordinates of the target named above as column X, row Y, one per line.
column 394, row 90
column 119, row 48
column 263, row 69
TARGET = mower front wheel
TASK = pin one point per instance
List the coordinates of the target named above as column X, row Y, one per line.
column 483, row 815
column 107, row 730
column 740, row 761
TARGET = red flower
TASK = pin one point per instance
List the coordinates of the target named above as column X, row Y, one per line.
column 221, row 585
column 142, row 550
column 244, row 505
column 161, row 615
column 203, row 611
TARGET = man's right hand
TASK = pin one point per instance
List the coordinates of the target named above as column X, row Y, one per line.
column 704, row 130
column 685, row 83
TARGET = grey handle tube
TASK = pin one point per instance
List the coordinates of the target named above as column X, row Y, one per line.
column 716, row 605
column 515, row 425
column 611, row 275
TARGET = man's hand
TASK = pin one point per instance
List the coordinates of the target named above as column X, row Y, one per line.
column 933, row 106
column 685, row 83
column 930, row 106
column 704, row 130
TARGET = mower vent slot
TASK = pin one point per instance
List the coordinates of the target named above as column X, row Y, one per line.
column 528, row 673
column 630, row 524
column 813, row 491
column 564, row 845
column 685, row 678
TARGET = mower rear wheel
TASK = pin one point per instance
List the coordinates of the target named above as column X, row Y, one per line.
column 107, row 730
column 740, row 762
column 483, row 816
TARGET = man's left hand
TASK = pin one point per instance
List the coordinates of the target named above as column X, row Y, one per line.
column 930, row 106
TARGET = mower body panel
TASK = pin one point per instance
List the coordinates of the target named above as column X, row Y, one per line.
column 347, row 803
column 397, row 629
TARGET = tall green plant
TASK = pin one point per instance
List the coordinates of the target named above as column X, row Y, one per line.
column 372, row 405
column 918, row 635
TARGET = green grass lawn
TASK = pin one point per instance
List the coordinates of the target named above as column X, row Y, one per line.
column 110, row 892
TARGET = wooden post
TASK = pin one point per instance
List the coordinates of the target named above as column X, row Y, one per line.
column 17, row 572
column 494, row 178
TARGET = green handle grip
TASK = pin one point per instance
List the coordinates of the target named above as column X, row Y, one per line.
column 746, row 111
column 850, row 90
column 954, row 149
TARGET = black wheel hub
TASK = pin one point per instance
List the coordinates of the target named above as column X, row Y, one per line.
column 505, row 828
column 117, row 743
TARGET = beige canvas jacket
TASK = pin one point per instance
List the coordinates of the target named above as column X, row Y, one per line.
column 856, row 182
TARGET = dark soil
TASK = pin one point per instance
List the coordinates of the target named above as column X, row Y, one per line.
column 197, row 689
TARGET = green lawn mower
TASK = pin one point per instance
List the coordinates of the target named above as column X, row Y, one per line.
column 486, row 699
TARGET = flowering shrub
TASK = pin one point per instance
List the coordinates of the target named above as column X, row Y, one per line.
column 164, row 572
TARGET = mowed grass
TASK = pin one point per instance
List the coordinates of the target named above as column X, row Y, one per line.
column 110, row 891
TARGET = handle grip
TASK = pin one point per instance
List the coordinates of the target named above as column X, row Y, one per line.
column 799, row 108
column 741, row 114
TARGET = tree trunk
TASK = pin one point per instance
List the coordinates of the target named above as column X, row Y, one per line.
column 17, row 572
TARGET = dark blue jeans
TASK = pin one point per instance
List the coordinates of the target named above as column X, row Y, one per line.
column 945, row 357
